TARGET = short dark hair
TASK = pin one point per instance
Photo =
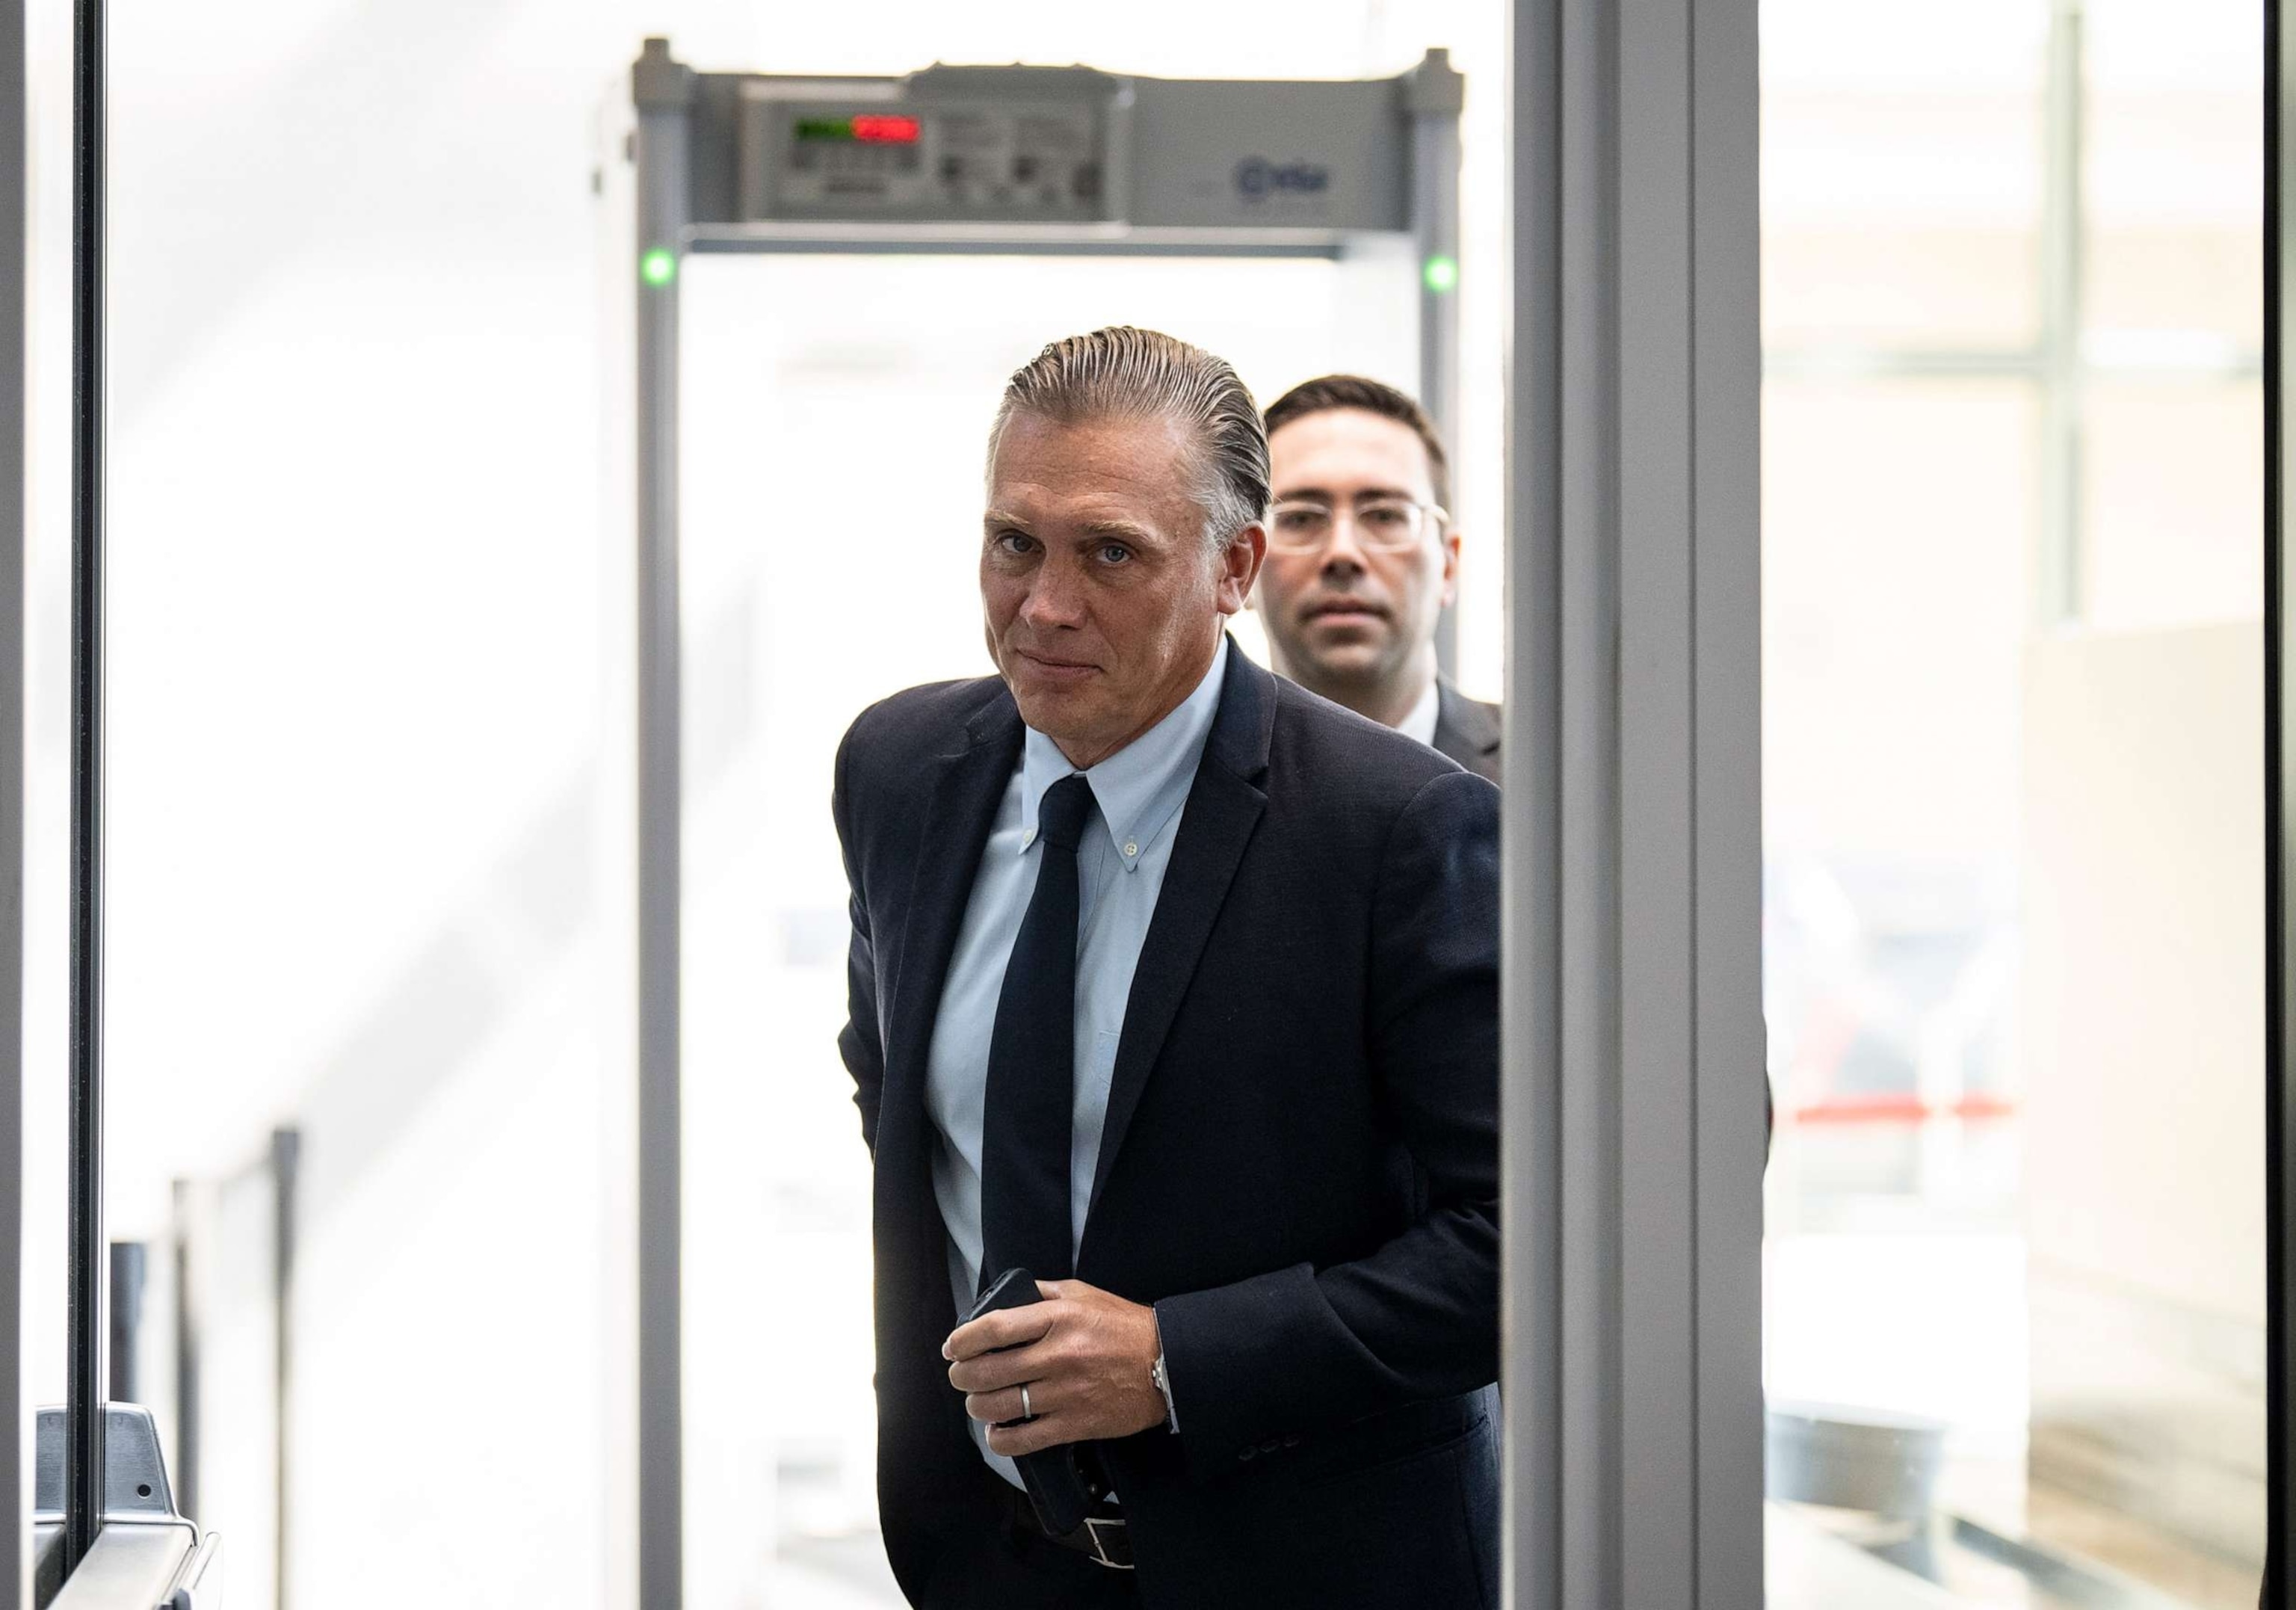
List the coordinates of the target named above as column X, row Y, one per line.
column 1331, row 392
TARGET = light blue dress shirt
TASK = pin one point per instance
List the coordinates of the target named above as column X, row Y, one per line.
column 1139, row 791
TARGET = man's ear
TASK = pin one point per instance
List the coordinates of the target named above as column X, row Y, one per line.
column 1450, row 568
column 1239, row 564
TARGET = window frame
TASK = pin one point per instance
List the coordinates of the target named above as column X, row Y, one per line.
column 15, row 1500
column 1632, row 1067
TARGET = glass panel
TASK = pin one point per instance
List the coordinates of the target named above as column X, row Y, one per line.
column 1894, row 1299
column 2172, row 502
column 371, row 870
column 1901, row 173
column 1862, row 713
column 2014, row 1301
column 2174, row 179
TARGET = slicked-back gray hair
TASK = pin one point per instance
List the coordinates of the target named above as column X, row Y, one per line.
column 1123, row 372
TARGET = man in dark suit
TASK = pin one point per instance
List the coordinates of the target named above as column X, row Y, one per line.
column 1362, row 558
column 1176, row 986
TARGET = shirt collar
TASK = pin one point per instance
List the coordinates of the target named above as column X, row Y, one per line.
column 1420, row 723
column 1139, row 786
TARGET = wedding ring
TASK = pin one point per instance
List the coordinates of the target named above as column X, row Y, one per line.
column 1027, row 1413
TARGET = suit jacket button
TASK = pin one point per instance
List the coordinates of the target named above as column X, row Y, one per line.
column 1247, row 1453
column 1292, row 1442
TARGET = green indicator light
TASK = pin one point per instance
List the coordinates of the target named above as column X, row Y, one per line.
column 658, row 266
column 1442, row 274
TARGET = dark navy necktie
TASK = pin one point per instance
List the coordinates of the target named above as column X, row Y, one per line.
column 1026, row 1125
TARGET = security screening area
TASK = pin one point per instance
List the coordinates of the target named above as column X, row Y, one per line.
column 503, row 1006
column 1120, row 199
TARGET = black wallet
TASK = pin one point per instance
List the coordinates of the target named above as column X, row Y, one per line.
column 1054, row 1479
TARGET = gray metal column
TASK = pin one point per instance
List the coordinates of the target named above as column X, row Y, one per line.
column 1632, row 1065
column 189, row 1335
column 284, row 1160
column 15, row 1506
column 663, row 91
column 2279, row 802
column 83, row 1381
column 125, row 1314
column 1434, row 94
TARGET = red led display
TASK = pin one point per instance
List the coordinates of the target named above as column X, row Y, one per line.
column 882, row 129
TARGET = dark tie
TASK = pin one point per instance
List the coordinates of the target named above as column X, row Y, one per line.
column 1025, row 1128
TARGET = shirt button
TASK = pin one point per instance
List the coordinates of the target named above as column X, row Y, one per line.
column 1027, row 838
column 1130, row 848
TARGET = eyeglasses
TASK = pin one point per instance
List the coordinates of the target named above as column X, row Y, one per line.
column 1387, row 525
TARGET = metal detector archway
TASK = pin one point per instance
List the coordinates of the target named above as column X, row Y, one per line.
column 953, row 161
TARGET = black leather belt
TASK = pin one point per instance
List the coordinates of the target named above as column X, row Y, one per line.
column 1103, row 1538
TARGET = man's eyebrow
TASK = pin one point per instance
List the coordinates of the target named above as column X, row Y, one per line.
column 1087, row 531
column 1117, row 528
column 1324, row 494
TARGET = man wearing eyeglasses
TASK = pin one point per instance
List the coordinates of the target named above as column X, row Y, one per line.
column 1361, row 559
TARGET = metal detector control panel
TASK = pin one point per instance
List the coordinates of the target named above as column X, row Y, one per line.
column 977, row 160
column 990, row 144
column 1054, row 145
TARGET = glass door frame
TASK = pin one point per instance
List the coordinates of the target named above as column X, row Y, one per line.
column 1634, row 1038
column 1633, row 1077
column 15, row 1505
column 1633, row 1218
column 2280, row 752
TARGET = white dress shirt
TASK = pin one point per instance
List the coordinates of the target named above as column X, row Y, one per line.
column 1139, row 791
column 1420, row 724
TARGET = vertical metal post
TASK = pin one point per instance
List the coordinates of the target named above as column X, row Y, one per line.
column 84, row 1398
column 663, row 90
column 286, row 1155
column 127, row 1319
column 186, row 1467
column 1632, row 1080
column 2280, row 910
column 1730, row 1087
column 1530, row 1135
column 1584, row 496
column 2061, row 580
column 1434, row 94
column 15, row 1502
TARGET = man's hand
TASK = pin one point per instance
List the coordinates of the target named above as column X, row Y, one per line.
column 1083, row 1353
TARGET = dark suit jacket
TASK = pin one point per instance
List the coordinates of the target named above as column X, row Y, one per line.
column 1299, row 1164
column 1468, row 730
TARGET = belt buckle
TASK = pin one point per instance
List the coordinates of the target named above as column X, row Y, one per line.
column 1093, row 1523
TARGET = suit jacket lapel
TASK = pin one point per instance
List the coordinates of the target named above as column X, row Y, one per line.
column 965, row 794
column 1222, row 807
column 1464, row 729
